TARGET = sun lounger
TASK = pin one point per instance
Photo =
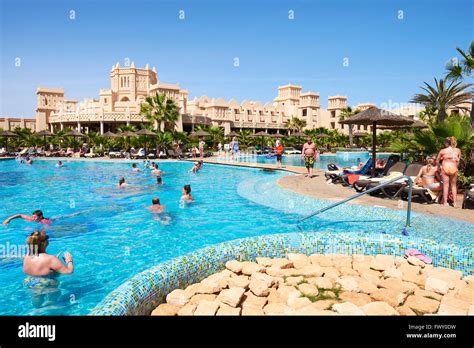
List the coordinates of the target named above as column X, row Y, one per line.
column 468, row 197
column 425, row 194
column 337, row 176
column 361, row 184
column 395, row 189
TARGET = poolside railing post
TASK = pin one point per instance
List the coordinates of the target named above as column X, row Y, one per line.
column 410, row 186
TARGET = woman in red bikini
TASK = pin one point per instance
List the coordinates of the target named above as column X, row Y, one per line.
column 449, row 158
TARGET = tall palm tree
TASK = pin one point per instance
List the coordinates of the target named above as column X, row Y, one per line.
column 216, row 134
column 245, row 138
column 442, row 96
column 463, row 69
column 346, row 113
column 160, row 109
column 295, row 124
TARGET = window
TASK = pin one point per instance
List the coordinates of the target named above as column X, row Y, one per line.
column 105, row 100
column 333, row 113
column 333, row 125
column 305, row 112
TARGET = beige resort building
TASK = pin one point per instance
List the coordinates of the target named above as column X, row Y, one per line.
column 129, row 86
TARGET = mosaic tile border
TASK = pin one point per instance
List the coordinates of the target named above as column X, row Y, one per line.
column 141, row 294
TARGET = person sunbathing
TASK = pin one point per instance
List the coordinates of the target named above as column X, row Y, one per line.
column 429, row 177
column 36, row 216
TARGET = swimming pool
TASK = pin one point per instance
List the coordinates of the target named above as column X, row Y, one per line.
column 115, row 237
column 295, row 160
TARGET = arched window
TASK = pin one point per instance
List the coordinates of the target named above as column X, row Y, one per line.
column 125, row 99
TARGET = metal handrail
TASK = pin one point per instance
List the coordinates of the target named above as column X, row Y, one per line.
column 378, row 187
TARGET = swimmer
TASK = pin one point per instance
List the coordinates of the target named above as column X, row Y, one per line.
column 36, row 216
column 38, row 263
column 156, row 206
column 60, row 164
column 187, row 194
column 156, row 171
column 122, row 183
column 152, row 165
column 29, row 161
column 159, row 180
column 195, row 167
column 135, row 168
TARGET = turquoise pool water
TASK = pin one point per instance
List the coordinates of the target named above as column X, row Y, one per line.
column 114, row 237
column 295, row 160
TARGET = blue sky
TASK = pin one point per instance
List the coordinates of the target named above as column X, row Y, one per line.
column 388, row 57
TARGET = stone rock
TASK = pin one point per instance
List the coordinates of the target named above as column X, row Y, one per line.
column 471, row 310
column 348, row 283
column 193, row 289
column 228, row 310
column 392, row 273
column 301, row 263
column 397, row 285
column 239, row 282
column 331, row 273
column 382, row 262
column 287, row 292
column 418, row 279
column 365, row 286
column 259, row 287
column 251, row 267
column 362, row 258
column 400, row 261
column 405, row 310
column 275, row 271
column 347, row 308
column 412, row 260
column 250, row 300
column 422, row 304
column 187, row 309
column 309, row 310
column 445, row 309
column 264, row 261
column 379, row 308
column 358, row 299
column 451, row 304
column 321, row 260
column 211, row 286
column 295, row 257
column 321, row 282
column 282, row 263
column 207, row 308
column 465, row 294
column 437, row 285
column 323, row 304
column 268, row 280
column 308, row 289
column 448, row 275
column 231, row 296
column 294, row 280
column 234, row 266
column 429, row 294
column 298, row 302
column 275, row 309
column 469, row 279
column 409, row 269
column 202, row 297
column 311, row 271
column 178, row 298
column 348, row 271
column 391, row 296
column 252, row 311
column 166, row 309
column 371, row 276
column 277, row 281
column 328, row 293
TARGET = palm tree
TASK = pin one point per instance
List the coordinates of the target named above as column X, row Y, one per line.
column 346, row 113
column 463, row 69
column 442, row 96
column 160, row 109
column 245, row 138
column 216, row 134
column 295, row 123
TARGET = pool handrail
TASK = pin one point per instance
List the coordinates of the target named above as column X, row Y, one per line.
column 375, row 188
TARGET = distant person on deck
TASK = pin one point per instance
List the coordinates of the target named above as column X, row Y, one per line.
column 309, row 155
column 36, row 216
column 279, row 153
column 448, row 159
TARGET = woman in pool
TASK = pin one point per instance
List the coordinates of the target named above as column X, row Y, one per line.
column 429, row 177
column 449, row 158
column 187, row 197
column 122, row 183
column 135, row 168
column 59, row 164
column 37, row 216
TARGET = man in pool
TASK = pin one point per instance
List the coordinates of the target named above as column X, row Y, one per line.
column 156, row 206
column 60, row 164
column 309, row 155
column 37, row 216
column 135, row 168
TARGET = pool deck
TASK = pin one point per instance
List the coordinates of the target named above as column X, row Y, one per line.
column 318, row 188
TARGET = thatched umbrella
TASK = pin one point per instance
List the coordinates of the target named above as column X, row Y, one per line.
column 359, row 134
column 7, row 134
column 322, row 135
column 277, row 136
column 415, row 124
column 45, row 133
column 199, row 133
column 109, row 134
column 232, row 134
column 75, row 134
column 374, row 116
column 145, row 132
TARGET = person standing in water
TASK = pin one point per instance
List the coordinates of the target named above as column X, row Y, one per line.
column 122, row 183
column 135, row 168
column 279, row 152
column 309, row 154
column 187, row 197
column 449, row 158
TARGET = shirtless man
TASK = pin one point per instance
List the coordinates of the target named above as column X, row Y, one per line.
column 157, row 207
column 309, row 155
column 36, row 216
